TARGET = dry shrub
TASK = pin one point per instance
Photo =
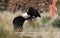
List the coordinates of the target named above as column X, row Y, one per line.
column 6, row 25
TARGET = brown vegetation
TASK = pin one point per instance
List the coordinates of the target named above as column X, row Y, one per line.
column 41, row 5
column 53, row 8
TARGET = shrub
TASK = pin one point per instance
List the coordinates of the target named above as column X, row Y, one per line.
column 56, row 23
column 45, row 20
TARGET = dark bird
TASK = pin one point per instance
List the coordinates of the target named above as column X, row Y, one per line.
column 19, row 21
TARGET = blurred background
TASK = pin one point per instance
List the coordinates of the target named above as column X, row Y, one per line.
column 44, row 27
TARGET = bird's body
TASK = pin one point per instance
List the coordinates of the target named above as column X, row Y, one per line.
column 18, row 22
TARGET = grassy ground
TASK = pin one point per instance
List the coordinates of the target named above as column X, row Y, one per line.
column 38, row 28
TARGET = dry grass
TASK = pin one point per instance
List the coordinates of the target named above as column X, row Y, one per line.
column 32, row 29
column 6, row 19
